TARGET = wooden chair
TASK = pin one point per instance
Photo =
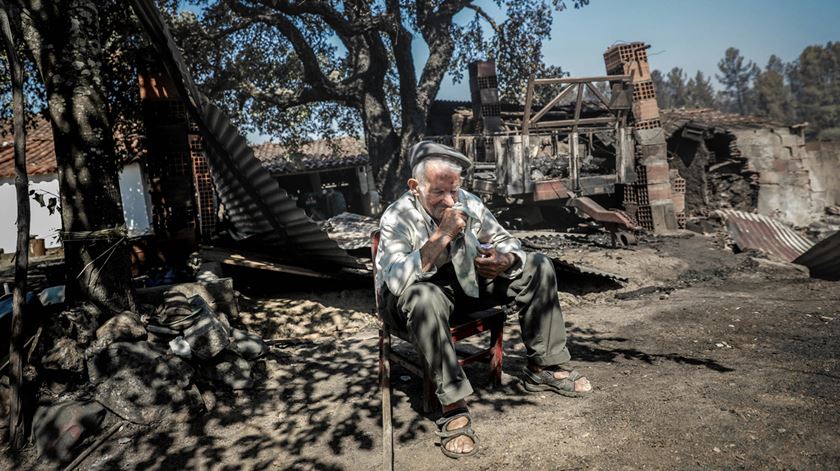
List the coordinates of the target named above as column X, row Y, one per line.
column 492, row 319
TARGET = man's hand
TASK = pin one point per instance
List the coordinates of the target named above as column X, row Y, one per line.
column 489, row 264
column 452, row 223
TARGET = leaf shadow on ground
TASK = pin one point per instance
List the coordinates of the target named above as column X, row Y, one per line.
column 317, row 405
column 587, row 345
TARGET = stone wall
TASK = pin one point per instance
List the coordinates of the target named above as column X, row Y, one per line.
column 782, row 162
column 823, row 160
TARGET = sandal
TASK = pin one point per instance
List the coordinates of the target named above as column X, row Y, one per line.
column 447, row 436
column 545, row 381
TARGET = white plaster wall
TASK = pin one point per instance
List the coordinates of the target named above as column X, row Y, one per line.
column 135, row 197
column 137, row 204
column 42, row 224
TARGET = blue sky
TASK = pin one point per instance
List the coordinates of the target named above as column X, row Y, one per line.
column 689, row 34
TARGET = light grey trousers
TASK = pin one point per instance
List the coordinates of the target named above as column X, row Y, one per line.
column 426, row 309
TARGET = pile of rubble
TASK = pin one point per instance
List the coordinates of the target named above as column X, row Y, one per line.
column 140, row 366
column 827, row 225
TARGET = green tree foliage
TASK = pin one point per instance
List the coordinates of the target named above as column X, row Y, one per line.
column 676, row 88
column 701, row 94
column 772, row 95
column 815, row 88
column 663, row 98
column 121, row 40
column 674, row 92
column 737, row 77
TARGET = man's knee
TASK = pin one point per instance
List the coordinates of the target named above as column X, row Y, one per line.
column 424, row 302
column 542, row 266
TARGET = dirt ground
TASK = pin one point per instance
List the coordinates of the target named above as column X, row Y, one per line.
column 730, row 363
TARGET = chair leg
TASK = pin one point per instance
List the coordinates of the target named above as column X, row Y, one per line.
column 496, row 338
column 385, row 388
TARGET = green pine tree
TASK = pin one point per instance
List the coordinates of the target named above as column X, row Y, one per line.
column 737, row 77
column 772, row 95
column 700, row 91
column 676, row 88
column 663, row 99
column 815, row 88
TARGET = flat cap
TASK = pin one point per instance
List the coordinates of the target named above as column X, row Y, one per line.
column 425, row 149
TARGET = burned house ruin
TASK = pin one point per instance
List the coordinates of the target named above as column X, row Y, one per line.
column 597, row 136
column 660, row 166
column 751, row 164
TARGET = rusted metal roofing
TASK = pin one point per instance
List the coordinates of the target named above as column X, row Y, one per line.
column 40, row 150
column 675, row 118
column 312, row 156
column 752, row 231
column 257, row 207
column 823, row 259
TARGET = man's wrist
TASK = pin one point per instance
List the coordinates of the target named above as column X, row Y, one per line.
column 444, row 236
column 510, row 261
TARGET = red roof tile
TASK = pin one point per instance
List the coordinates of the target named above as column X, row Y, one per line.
column 40, row 152
column 40, row 148
column 312, row 156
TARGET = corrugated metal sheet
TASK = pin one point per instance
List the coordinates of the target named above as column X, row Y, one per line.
column 257, row 207
column 823, row 259
column 565, row 267
column 756, row 232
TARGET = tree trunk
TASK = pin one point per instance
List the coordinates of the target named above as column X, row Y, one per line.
column 383, row 146
column 17, row 437
column 63, row 37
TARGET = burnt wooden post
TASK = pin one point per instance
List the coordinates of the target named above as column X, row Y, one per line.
column 17, row 437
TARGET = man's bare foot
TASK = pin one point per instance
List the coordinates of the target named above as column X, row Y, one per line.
column 462, row 444
column 582, row 384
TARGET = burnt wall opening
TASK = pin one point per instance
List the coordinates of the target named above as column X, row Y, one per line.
column 690, row 158
column 729, row 182
column 717, row 175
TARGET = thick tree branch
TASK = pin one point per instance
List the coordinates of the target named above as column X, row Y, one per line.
column 451, row 8
column 489, row 19
column 401, row 40
column 421, row 11
column 437, row 35
column 233, row 29
column 303, row 96
column 332, row 17
column 312, row 72
column 358, row 33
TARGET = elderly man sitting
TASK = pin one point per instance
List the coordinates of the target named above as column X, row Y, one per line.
column 440, row 247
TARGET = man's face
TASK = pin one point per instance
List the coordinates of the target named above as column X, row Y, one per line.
column 439, row 191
